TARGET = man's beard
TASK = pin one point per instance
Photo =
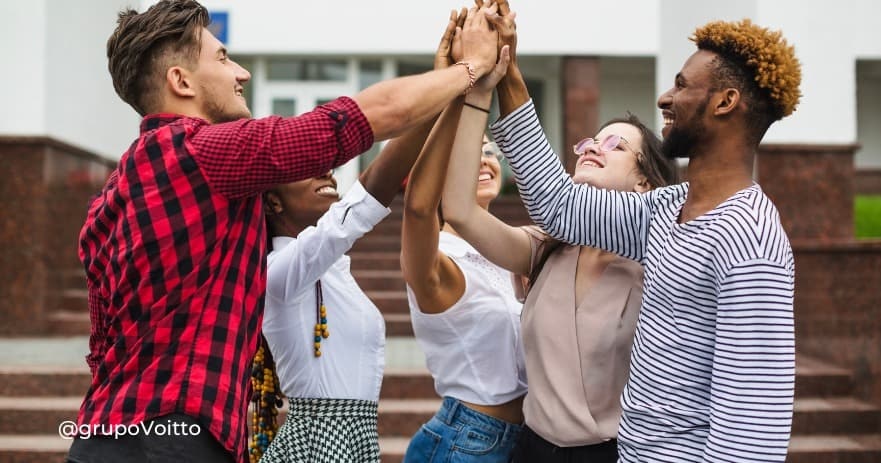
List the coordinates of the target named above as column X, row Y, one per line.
column 680, row 143
column 218, row 112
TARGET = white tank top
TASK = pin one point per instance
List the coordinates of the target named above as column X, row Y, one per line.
column 473, row 349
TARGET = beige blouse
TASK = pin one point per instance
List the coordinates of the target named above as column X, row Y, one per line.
column 578, row 358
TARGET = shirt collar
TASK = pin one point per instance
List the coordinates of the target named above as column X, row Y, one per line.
column 279, row 242
column 155, row 121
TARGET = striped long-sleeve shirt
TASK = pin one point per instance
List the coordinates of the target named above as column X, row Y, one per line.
column 713, row 361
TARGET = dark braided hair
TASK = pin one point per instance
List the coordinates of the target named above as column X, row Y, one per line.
column 266, row 396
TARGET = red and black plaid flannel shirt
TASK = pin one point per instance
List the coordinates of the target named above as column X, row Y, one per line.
column 174, row 249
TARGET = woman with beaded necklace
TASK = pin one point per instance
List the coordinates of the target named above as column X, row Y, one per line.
column 333, row 383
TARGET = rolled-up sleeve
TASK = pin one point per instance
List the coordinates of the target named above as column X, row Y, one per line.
column 245, row 157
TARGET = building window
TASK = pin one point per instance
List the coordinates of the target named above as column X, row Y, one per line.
column 279, row 69
column 285, row 107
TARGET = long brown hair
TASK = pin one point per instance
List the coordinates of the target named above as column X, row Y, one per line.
column 658, row 170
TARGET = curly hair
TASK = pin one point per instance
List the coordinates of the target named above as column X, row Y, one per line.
column 144, row 45
column 758, row 59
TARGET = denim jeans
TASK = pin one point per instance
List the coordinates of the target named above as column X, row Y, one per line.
column 458, row 434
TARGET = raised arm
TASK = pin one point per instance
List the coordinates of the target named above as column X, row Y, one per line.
column 512, row 88
column 435, row 280
column 383, row 177
column 397, row 105
column 506, row 246
column 577, row 214
column 753, row 376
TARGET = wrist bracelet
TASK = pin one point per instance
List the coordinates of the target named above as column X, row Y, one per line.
column 472, row 75
column 475, row 107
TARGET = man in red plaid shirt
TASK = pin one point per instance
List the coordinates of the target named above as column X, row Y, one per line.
column 174, row 245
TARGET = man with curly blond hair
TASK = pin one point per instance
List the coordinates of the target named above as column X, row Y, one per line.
column 713, row 362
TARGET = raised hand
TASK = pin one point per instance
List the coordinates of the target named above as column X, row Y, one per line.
column 479, row 40
column 488, row 82
column 504, row 22
column 444, row 57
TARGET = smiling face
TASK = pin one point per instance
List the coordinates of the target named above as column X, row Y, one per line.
column 489, row 179
column 684, row 106
column 218, row 81
column 294, row 206
column 614, row 168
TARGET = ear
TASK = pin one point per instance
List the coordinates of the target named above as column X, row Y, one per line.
column 178, row 80
column 726, row 101
column 272, row 204
column 642, row 185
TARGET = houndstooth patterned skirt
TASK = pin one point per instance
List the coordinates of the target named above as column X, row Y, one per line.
column 327, row 431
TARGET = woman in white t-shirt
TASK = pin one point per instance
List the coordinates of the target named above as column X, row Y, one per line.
column 464, row 312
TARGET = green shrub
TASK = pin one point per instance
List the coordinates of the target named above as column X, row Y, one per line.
column 867, row 215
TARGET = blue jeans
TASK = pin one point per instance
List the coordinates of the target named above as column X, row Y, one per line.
column 458, row 434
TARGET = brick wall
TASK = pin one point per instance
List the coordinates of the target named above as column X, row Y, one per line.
column 868, row 182
column 45, row 188
column 838, row 308
column 812, row 186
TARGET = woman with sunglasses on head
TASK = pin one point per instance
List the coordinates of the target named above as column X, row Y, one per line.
column 464, row 312
column 581, row 304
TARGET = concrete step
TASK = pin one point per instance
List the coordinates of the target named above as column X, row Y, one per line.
column 33, row 448
column 408, row 402
column 36, row 415
column 75, row 298
column 44, row 381
column 391, row 301
column 405, row 384
column 73, row 277
column 382, row 280
column 382, row 260
column 68, row 322
column 398, row 324
column 49, row 448
column 836, row 415
column 404, row 417
column 816, row 378
column 378, row 243
column 60, row 382
column 392, row 448
column 863, row 448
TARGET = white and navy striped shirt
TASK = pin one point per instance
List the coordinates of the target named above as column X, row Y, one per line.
column 713, row 361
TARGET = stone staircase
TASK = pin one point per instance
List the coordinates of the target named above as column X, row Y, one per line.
column 42, row 380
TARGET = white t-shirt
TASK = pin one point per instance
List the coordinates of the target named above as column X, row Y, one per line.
column 473, row 349
column 352, row 357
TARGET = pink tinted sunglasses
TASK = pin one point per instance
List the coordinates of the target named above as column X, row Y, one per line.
column 608, row 143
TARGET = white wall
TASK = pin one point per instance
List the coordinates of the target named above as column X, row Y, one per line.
column 22, row 45
column 81, row 106
column 627, row 84
column 622, row 27
column 56, row 79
